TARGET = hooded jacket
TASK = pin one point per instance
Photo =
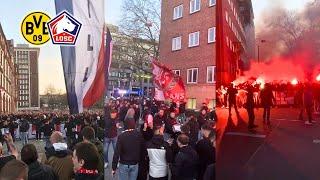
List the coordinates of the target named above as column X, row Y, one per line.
column 60, row 159
column 186, row 164
column 159, row 154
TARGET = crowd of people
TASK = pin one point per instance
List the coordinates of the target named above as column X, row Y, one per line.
column 306, row 97
column 72, row 146
column 153, row 140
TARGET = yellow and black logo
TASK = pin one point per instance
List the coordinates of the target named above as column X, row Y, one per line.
column 34, row 28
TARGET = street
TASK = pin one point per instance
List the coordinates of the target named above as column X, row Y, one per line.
column 289, row 149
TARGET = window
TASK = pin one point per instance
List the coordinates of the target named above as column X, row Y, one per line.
column 176, row 43
column 191, row 103
column 177, row 72
column 210, row 74
column 195, row 6
column 192, row 76
column 194, row 39
column 211, row 34
column 177, row 12
column 212, row 2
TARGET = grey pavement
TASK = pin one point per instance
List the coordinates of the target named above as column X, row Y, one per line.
column 288, row 149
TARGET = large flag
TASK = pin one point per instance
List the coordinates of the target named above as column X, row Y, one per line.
column 84, row 64
column 168, row 85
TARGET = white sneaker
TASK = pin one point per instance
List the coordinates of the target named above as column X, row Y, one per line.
column 106, row 165
column 308, row 123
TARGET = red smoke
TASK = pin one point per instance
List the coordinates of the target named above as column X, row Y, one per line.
column 282, row 69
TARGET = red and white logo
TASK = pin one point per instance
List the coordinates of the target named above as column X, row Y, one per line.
column 64, row 29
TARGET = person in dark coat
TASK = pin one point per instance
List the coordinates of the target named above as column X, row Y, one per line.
column 111, row 134
column 128, row 152
column 38, row 123
column 70, row 131
column 186, row 161
column 205, row 150
column 159, row 118
column 210, row 173
column 308, row 103
column 169, row 123
column 47, row 130
column 12, row 127
column 232, row 97
column 267, row 99
column 249, row 105
column 37, row 170
column 194, row 131
column 203, row 117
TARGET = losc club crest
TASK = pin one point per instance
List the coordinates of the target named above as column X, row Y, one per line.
column 64, row 29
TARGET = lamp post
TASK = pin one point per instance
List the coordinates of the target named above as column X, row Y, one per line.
column 260, row 41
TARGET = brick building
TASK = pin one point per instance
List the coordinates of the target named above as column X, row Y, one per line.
column 26, row 59
column 235, row 39
column 7, row 75
column 188, row 44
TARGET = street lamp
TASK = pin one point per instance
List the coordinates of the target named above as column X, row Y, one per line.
column 261, row 41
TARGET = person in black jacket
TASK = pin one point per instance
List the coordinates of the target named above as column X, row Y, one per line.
column 36, row 170
column 159, row 155
column 111, row 134
column 85, row 158
column 203, row 117
column 249, row 105
column 70, row 129
column 186, row 161
column 159, row 118
column 24, row 129
column 267, row 99
column 12, row 127
column 205, row 150
column 128, row 150
column 210, row 171
column 47, row 130
column 169, row 124
column 38, row 124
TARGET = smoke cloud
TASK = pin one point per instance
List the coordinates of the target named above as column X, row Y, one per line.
column 291, row 47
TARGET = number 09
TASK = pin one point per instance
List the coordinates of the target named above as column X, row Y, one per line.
column 37, row 38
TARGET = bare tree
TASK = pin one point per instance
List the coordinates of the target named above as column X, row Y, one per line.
column 141, row 20
column 50, row 90
column 287, row 25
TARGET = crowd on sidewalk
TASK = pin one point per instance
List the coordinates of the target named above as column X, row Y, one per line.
column 158, row 141
column 306, row 97
column 72, row 149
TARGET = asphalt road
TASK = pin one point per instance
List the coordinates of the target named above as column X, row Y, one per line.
column 288, row 149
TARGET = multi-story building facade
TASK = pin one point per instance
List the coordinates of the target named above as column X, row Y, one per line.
column 7, row 75
column 188, row 46
column 235, row 39
column 26, row 59
column 127, row 74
